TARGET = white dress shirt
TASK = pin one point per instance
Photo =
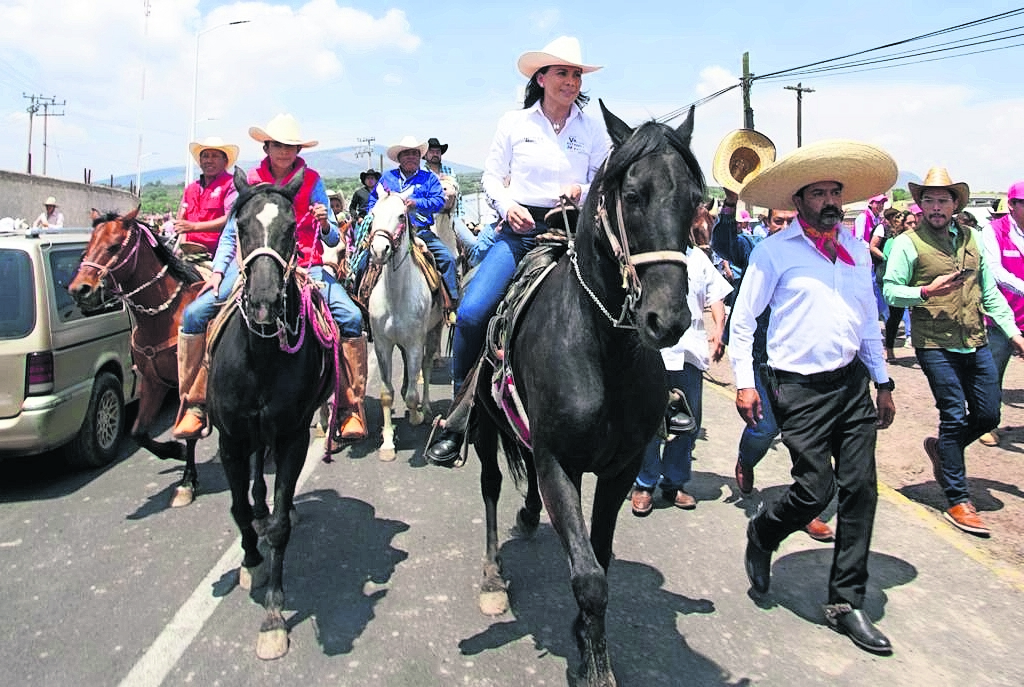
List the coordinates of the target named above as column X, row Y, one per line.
column 705, row 286
column 538, row 162
column 823, row 313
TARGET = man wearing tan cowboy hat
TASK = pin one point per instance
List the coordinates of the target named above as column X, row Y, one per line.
column 426, row 199
column 823, row 346
column 282, row 142
column 940, row 270
column 51, row 217
column 207, row 202
column 361, row 196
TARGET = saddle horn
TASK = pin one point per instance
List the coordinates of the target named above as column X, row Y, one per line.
column 741, row 156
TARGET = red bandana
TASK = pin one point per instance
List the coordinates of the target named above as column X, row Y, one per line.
column 826, row 242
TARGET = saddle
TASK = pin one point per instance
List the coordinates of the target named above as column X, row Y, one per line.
column 424, row 260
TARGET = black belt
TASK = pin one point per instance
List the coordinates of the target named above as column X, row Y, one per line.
column 830, row 377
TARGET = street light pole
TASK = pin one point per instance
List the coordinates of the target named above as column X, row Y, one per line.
column 189, row 165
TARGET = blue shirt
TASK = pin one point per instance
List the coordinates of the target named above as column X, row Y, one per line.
column 427, row 193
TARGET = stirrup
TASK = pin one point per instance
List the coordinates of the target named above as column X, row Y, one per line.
column 679, row 418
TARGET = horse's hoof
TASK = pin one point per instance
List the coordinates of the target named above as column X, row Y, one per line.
column 415, row 418
column 494, row 603
column 183, row 496
column 386, row 454
column 272, row 644
column 254, row 577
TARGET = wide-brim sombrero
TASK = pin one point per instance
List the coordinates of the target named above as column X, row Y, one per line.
column 214, row 143
column 284, row 129
column 563, row 50
column 741, row 155
column 407, row 143
column 864, row 170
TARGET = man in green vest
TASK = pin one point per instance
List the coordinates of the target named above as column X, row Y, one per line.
column 939, row 270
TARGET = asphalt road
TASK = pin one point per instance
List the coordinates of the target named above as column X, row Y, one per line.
column 105, row 585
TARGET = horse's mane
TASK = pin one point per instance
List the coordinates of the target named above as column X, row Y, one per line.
column 648, row 138
column 180, row 269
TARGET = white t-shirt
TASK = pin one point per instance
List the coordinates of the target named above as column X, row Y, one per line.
column 706, row 286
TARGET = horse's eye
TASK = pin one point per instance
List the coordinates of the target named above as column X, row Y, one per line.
column 633, row 198
column 114, row 248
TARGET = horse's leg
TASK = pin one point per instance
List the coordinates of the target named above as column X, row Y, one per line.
column 384, row 351
column 609, row 493
column 561, row 494
column 151, row 398
column 410, row 388
column 276, row 530
column 237, row 470
column 185, row 492
column 493, row 590
column 431, row 346
column 528, row 516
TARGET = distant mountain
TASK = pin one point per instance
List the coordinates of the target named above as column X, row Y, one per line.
column 337, row 163
column 906, row 177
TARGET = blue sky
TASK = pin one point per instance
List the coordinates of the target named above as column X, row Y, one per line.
column 350, row 70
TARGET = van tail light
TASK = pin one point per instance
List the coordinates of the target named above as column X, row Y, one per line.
column 39, row 373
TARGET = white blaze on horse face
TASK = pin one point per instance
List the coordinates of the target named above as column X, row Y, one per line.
column 266, row 217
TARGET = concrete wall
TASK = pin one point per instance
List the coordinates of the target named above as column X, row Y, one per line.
column 22, row 195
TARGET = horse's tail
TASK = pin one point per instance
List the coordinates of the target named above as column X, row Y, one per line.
column 515, row 457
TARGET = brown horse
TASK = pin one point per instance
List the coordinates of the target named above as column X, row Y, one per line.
column 156, row 286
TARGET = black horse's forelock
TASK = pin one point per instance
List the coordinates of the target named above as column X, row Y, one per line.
column 649, row 138
column 248, row 193
column 180, row 269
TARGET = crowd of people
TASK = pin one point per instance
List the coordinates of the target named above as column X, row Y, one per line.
column 816, row 307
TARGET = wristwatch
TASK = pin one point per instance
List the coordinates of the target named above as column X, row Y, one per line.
column 888, row 386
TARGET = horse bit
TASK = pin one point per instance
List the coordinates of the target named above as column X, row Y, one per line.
column 134, row 238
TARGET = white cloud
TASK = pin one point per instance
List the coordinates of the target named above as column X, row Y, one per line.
column 544, row 21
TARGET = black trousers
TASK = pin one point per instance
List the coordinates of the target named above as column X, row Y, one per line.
column 826, row 417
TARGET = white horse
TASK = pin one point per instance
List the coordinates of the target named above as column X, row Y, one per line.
column 403, row 312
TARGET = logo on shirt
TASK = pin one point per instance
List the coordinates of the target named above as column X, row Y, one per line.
column 573, row 145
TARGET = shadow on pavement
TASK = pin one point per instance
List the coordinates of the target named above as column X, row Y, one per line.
column 338, row 566
column 644, row 642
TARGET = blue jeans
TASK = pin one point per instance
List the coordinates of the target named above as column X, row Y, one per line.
column 482, row 243
column 199, row 312
column 672, row 467
column 967, row 395
column 345, row 312
column 999, row 344
column 755, row 441
column 480, row 302
column 445, row 261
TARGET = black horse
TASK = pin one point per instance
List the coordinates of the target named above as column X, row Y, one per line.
column 593, row 384
column 268, row 374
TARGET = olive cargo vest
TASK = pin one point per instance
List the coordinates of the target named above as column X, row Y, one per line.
column 954, row 320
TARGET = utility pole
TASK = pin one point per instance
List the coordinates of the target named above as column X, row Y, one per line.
column 32, row 109
column 748, row 112
column 47, row 104
column 367, row 151
column 799, row 109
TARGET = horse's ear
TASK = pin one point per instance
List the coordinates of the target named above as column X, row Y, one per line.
column 291, row 189
column 685, row 129
column 404, row 195
column 94, row 214
column 617, row 129
column 241, row 181
column 130, row 217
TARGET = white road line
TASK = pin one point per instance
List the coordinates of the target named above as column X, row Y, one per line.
column 163, row 654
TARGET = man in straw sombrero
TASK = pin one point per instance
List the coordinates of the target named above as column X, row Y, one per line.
column 207, row 201
column 941, row 272
column 741, row 154
column 823, row 344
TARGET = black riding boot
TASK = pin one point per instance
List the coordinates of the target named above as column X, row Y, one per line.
column 446, row 449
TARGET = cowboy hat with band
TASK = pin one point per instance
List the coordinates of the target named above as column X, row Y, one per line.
column 938, row 177
column 564, row 50
column 863, row 170
column 407, row 143
column 282, row 129
column 434, row 143
column 368, row 173
column 196, row 148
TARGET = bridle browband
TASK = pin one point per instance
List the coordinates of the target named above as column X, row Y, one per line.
column 117, row 263
column 627, row 261
column 394, row 237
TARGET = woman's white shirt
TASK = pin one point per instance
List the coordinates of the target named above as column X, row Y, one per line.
column 537, row 162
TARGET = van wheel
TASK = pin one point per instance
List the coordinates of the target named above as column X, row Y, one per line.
column 100, row 436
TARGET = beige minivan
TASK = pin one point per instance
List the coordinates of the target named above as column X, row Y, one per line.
column 66, row 375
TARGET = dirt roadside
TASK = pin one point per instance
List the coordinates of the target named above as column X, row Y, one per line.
column 995, row 475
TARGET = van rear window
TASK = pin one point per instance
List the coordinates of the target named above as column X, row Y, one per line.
column 17, row 294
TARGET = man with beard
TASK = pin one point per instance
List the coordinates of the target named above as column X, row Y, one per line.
column 941, row 271
column 823, row 346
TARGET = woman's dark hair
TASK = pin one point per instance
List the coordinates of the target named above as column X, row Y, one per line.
column 891, row 213
column 534, row 91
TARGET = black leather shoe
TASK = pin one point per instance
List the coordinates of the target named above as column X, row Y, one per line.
column 758, row 563
column 446, row 449
column 854, row 623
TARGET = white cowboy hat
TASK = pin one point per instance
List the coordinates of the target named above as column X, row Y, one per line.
column 407, row 143
column 938, row 177
column 50, row 201
column 562, row 50
column 863, row 170
column 741, row 155
column 284, row 129
column 214, row 143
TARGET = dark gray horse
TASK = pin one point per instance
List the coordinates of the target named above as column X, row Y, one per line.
column 586, row 363
column 269, row 373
